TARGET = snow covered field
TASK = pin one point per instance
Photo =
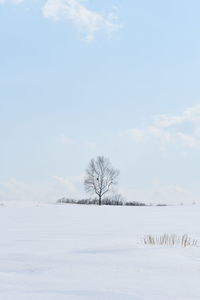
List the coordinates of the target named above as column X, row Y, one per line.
column 66, row 252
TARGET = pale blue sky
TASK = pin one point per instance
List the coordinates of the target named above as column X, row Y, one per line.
column 68, row 93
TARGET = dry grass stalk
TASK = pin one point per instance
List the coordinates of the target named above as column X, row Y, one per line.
column 170, row 240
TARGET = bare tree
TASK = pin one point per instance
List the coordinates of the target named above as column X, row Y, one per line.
column 100, row 177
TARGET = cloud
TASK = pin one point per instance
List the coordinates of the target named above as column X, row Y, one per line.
column 12, row 1
column 190, row 115
column 14, row 190
column 84, row 19
column 183, row 129
column 71, row 185
column 161, row 194
column 65, row 140
column 87, row 21
column 17, row 1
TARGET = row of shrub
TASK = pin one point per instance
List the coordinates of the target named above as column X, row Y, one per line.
column 105, row 201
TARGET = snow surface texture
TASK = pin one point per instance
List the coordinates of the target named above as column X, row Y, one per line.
column 61, row 252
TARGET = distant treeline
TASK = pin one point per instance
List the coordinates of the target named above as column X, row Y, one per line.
column 106, row 201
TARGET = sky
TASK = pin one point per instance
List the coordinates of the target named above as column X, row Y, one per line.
column 85, row 78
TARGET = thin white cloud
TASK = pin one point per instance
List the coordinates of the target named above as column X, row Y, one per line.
column 17, row 1
column 190, row 115
column 12, row 1
column 66, row 140
column 71, row 185
column 182, row 129
column 161, row 194
column 85, row 19
column 14, row 190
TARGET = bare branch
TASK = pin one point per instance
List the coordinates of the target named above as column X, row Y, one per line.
column 100, row 177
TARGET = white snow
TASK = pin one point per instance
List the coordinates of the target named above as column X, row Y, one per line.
column 66, row 252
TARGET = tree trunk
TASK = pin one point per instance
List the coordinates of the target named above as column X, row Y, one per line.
column 99, row 200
